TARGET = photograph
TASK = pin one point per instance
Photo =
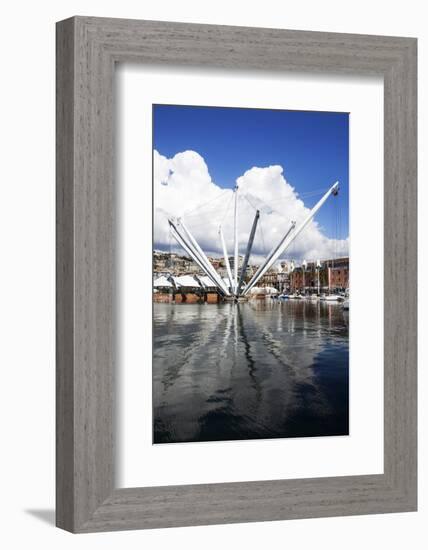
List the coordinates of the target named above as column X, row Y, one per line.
column 250, row 274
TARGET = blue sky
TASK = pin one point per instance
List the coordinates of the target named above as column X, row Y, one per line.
column 311, row 146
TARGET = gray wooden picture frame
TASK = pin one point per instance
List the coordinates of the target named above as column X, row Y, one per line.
column 87, row 50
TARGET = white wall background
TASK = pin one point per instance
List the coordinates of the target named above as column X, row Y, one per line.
column 27, row 272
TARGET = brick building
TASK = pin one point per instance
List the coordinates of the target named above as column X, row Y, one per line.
column 331, row 275
column 338, row 272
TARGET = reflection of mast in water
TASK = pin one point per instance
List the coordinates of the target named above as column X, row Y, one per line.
column 306, row 355
column 296, row 366
column 250, row 361
column 318, row 310
column 223, row 349
column 233, row 369
column 329, row 316
column 305, row 326
column 172, row 372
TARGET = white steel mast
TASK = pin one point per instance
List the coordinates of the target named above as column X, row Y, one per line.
column 184, row 245
column 235, row 227
column 199, row 252
column 190, row 245
column 288, row 239
column 304, row 266
column 262, row 268
column 226, row 258
column 197, row 255
column 248, row 251
column 318, row 276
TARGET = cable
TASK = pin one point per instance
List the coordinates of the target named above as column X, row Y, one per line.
column 249, row 202
column 271, row 210
column 199, row 206
column 227, row 209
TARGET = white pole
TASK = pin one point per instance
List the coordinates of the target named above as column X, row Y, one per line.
column 204, row 265
column 262, row 268
column 199, row 252
column 248, row 251
column 288, row 240
column 226, row 258
column 184, row 245
column 318, row 275
column 235, row 263
column 304, row 265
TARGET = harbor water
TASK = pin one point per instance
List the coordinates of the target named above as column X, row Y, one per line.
column 256, row 370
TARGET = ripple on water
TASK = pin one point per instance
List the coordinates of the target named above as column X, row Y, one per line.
column 249, row 371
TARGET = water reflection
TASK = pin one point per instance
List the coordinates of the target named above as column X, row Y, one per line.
column 262, row 369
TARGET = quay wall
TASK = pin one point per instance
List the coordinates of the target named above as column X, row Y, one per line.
column 212, row 297
column 186, row 297
column 162, row 298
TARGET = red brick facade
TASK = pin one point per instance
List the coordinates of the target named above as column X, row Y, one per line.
column 333, row 275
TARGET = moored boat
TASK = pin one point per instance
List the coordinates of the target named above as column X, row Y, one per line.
column 333, row 298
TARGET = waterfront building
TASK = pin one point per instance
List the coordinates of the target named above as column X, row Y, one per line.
column 328, row 275
column 276, row 279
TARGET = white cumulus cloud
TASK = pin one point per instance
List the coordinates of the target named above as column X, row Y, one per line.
column 183, row 188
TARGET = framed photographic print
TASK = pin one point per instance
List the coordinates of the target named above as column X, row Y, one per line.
column 236, row 274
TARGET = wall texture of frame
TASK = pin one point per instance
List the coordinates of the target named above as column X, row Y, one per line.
column 87, row 50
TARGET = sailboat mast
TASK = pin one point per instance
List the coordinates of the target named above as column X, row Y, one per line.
column 318, row 275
